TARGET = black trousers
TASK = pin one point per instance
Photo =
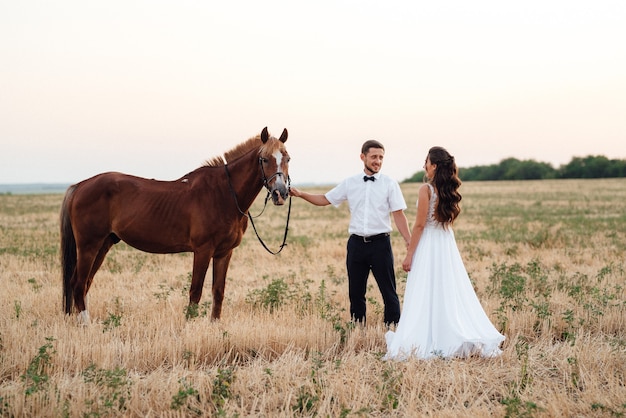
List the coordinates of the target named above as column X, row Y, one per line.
column 373, row 255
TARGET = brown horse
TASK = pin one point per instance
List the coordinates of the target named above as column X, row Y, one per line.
column 203, row 212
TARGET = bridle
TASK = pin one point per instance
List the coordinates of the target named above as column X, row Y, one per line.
column 269, row 191
column 266, row 180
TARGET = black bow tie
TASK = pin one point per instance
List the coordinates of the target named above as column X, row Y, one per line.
column 366, row 178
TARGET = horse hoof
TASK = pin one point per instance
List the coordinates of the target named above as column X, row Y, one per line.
column 83, row 318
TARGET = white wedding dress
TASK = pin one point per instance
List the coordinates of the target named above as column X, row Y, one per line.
column 441, row 314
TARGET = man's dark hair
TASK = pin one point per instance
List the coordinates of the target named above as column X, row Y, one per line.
column 372, row 143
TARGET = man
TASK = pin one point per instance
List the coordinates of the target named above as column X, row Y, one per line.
column 371, row 197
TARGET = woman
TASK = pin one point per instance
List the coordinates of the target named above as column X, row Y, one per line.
column 441, row 315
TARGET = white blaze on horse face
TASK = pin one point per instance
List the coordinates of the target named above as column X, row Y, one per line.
column 278, row 156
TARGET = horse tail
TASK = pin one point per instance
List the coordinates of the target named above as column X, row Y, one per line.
column 68, row 251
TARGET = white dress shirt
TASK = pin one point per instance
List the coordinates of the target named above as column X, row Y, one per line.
column 370, row 202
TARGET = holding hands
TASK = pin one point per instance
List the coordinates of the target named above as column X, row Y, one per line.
column 406, row 264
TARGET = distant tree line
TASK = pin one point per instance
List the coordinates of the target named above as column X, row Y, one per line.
column 590, row 167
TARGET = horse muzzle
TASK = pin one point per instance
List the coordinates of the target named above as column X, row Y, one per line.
column 279, row 194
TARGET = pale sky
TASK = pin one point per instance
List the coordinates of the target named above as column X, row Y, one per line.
column 155, row 88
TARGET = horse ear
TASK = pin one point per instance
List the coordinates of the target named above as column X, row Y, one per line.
column 264, row 135
column 283, row 136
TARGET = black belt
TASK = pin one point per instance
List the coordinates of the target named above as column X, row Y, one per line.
column 371, row 237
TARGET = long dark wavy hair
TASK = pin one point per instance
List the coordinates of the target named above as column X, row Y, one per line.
column 446, row 182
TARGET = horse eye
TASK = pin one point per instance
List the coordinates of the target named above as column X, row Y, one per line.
column 264, row 160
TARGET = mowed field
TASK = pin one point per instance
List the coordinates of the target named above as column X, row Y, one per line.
column 546, row 258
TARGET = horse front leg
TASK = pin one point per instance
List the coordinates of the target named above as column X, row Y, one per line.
column 220, row 268
column 201, row 261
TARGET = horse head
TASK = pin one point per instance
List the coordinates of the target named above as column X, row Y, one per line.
column 274, row 162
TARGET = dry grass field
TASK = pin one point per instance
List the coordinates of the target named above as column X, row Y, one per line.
column 546, row 258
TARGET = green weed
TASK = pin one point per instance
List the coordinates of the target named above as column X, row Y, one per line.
column 164, row 292
column 306, row 400
column 112, row 388
column 278, row 293
column 569, row 333
column 333, row 276
column 575, row 377
column 187, row 397
column 36, row 377
column 114, row 319
column 5, row 408
column 516, row 408
column 525, row 379
column 222, row 387
column 509, row 283
column 619, row 411
column 390, row 389
column 332, row 313
column 17, row 307
column 36, row 286
column 308, row 397
column 194, row 310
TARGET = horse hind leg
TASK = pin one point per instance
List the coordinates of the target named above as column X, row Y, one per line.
column 111, row 240
column 85, row 259
column 83, row 318
column 88, row 263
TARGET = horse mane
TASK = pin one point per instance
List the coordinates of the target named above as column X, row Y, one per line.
column 234, row 153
